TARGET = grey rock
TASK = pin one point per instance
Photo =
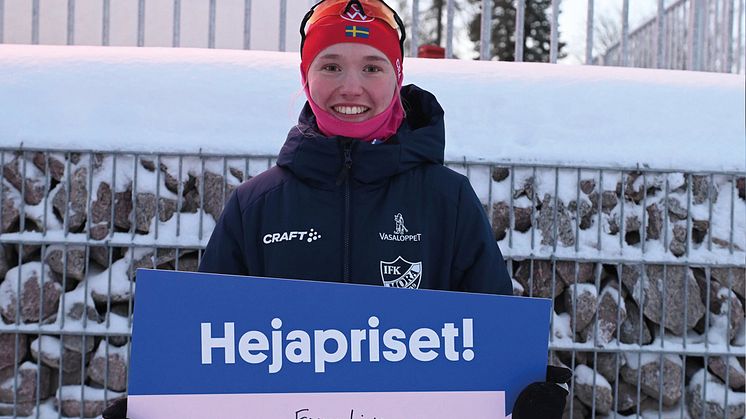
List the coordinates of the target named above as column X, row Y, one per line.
column 76, row 261
column 73, row 206
column 522, row 221
column 564, row 226
column 650, row 375
column 704, row 399
column 585, row 298
column 575, row 409
column 80, row 344
column 117, row 368
column 649, row 291
column 627, row 396
column 630, row 331
column 741, row 186
column 145, row 207
column 609, row 364
column 32, row 188
column 733, row 278
column 584, row 213
column 31, row 288
column 123, row 209
column 526, row 190
column 609, row 201
column 188, row 263
column 166, row 209
column 610, row 315
column 724, row 302
column 70, row 361
column 238, row 174
column 655, row 222
column 587, row 185
column 17, row 410
column 27, row 384
column 498, row 174
column 587, row 393
column 149, row 165
column 540, row 283
column 727, row 369
column 100, row 255
column 726, row 244
column 101, row 207
column 76, row 310
column 631, row 192
column 566, row 271
column 699, row 230
column 10, row 212
column 71, row 406
column 216, row 191
column 4, row 265
column 155, row 259
column 52, row 164
column 500, row 219
column 99, row 231
column 675, row 210
column 8, row 349
column 702, row 190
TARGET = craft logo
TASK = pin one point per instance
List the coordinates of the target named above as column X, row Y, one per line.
column 401, row 273
column 308, row 236
column 400, row 232
column 354, row 14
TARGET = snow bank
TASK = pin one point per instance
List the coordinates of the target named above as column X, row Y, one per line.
column 244, row 102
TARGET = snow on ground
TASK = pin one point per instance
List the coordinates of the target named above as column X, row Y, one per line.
column 244, row 102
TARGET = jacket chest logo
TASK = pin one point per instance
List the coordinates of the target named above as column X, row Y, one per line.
column 401, row 232
column 308, row 236
column 401, row 273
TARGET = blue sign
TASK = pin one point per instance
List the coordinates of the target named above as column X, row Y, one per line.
column 259, row 347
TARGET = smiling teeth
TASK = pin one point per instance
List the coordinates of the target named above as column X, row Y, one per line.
column 350, row 110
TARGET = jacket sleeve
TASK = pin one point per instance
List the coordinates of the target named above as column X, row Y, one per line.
column 478, row 264
column 224, row 253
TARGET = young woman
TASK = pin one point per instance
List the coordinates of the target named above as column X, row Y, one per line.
column 359, row 193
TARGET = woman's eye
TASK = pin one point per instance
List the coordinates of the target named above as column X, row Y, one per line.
column 372, row 69
column 330, row 67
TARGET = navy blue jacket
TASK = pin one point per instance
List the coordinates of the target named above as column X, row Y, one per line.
column 337, row 209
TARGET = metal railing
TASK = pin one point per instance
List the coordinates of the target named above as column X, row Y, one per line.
column 646, row 268
column 688, row 34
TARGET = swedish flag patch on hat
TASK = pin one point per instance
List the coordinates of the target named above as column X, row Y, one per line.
column 357, row 31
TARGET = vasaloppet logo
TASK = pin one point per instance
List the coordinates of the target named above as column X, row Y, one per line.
column 308, row 236
column 306, row 347
column 401, row 232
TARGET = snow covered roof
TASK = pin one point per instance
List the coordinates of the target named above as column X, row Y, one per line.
column 244, row 102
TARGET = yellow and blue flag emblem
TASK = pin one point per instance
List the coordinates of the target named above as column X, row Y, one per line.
column 357, row 31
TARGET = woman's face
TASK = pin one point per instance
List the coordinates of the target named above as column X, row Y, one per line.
column 353, row 82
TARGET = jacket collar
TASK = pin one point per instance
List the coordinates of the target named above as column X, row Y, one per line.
column 318, row 160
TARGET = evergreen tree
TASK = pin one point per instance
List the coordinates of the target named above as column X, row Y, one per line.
column 537, row 30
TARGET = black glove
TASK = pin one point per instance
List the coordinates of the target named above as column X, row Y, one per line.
column 544, row 400
column 116, row 410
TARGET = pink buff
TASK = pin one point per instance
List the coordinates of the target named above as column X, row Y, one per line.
column 381, row 126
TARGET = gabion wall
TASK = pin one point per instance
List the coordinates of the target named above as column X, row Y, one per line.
column 646, row 269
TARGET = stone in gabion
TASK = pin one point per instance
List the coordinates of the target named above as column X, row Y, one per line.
column 33, row 189
column 21, row 409
column 699, row 230
column 8, row 349
column 541, row 283
column 705, row 396
column 648, row 293
column 631, row 192
column 627, row 396
column 100, row 255
column 52, row 353
column 73, row 207
column 564, row 227
column 123, row 209
column 498, row 174
column 655, row 222
column 145, row 207
column 4, row 266
column 31, row 286
column 76, row 261
column 68, row 401
column 584, row 213
column 217, row 191
column 735, row 279
column 500, row 219
column 727, row 367
column 587, row 185
column 27, row 384
column 585, row 297
column 54, row 165
column 630, row 331
column 678, row 243
column 238, row 174
column 81, row 344
column 650, row 367
column 675, row 210
column 522, row 221
column 723, row 301
column 741, row 186
column 101, row 207
column 609, row 201
column 10, row 211
column 587, row 390
column 566, row 271
column 575, row 409
column 526, row 190
column 117, row 365
column 166, row 209
column 611, row 311
column 608, row 364
column 187, row 263
column 701, row 190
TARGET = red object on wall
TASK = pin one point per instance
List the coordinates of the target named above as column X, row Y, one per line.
column 431, row 51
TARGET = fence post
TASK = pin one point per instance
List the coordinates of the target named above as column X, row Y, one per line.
column 554, row 43
column 589, row 34
column 520, row 15
column 486, row 30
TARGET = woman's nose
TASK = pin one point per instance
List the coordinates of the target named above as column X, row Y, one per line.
column 352, row 84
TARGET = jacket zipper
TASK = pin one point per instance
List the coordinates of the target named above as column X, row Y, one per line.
column 344, row 177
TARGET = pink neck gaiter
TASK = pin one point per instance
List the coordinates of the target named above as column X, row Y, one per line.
column 381, row 126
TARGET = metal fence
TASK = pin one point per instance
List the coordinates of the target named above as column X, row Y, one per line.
column 688, row 34
column 645, row 267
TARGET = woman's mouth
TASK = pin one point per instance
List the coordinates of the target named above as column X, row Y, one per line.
column 350, row 110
